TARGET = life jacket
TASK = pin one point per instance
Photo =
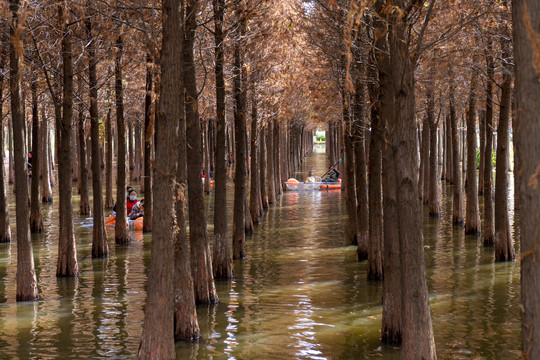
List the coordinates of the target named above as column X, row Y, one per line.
column 129, row 205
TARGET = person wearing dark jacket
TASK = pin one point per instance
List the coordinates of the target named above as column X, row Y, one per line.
column 332, row 176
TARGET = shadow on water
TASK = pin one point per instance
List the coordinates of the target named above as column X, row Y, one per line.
column 299, row 294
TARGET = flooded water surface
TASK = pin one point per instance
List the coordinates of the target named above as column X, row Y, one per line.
column 299, row 294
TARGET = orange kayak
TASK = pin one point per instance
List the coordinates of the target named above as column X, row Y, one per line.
column 137, row 223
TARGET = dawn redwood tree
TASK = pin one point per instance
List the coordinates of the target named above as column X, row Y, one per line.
column 488, row 235
column 262, row 166
column 457, row 201
column 27, row 289
column 255, row 204
column 109, row 201
column 186, row 325
column 36, row 220
column 504, row 248
column 67, row 250
column 434, row 201
column 148, row 130
column 482, row 137
column 423, row 178
column 526, row 18
column 472, row 212
column 100, row 247
column 5, row 228
column 203, row 277
column 46, row 191
column 158, row 331
column 271, row 190
column 121, row 232
column 84, row 206
column 239, row 234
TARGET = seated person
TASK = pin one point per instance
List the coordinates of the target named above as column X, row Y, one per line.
column 137, row 211
column 127, row 197
column 310, row 177
column 131, row 200
column 332, row 176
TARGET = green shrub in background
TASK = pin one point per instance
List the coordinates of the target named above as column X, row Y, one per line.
column 320, row 137
column 493, row 158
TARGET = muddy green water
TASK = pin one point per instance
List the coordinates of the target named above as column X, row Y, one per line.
column 299, row 294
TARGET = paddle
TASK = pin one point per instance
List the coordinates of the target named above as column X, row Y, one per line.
column 331, row 168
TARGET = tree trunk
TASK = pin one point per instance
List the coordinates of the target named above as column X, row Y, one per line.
column 270, row 164
column 222, row 256
column 472, row 213
column 457, row 201
column 83, row 177
column 263, row 167
column 205, row 291
column 254, row 193
column 67, row 251
column 11, row 167
column 434, row 202
column 36, row 220
column 504, row 248
column 206, row 149
column 100, row 247
column 121, row 232
column 109, row 201
column 362, row 171
column 488, row 235
column 276, row 156
column 424, row 156
column 418, row 340
column 148, row 131
column 5, row 228
column 375, row 261
column 392, row 327
column 46, row 191
column 350, row 192
column 159, row 327
column 450, row 153
column 482, row 123
column 131, row 155
column 526, row 16
column 240, row 148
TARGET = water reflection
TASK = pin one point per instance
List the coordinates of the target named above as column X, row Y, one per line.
column 299, row 294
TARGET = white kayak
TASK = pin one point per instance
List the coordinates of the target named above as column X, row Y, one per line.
column 295, row 185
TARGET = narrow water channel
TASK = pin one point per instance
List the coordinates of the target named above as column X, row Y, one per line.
column 299, row 294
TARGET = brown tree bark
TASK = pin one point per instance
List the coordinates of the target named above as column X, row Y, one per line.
column 434, row 201
column 46, row 191
column 206, row 150
column 5, row 228
column 109, row 201
column 504, row 248
column 349, row 183
column 361, row 170
column 100, row 247
column 240, row 150
column 392, row 323
column 148, row 132
column 222, row 256
column 131, row 151
column 418, row 339
column 121, row 232
column 11, row 167
column 36, row 220
column 482, row 131
column 263, row 167
column 450, row 153
column 472, row 212
column 271, row 191
column 84, row 207
column 526, row 18
column 27, row 289
column 67, row 251
column 457, row 201
column 278, row 188
column 423, row 193
column 488, row 235
column 254, row 191
column 159, row 328
column 205, row 290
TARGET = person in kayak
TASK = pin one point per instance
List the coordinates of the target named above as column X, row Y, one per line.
column 131, row 200
column 137, row 210
column 332, row 176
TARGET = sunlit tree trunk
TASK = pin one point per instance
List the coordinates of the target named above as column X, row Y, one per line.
column 424, row 163
column 83, row 176
column 100, row 247
column 222, row 256
column 205, row 291
column 46, row 191
column 457, row 199
column 148, row 131
column 450, row 154
column 206, row 150
column 472, row 213
column 263, row 167
column 5, row 228
column 434, row 202
column 36, row 220
column 504, row 248
column 67, row 250
column 121, row 233
column 254, row 193
column 11, row 167
column 270, row 164
column 526, row 17
column 159, row 328
column 482, row 131
column 488, row 235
